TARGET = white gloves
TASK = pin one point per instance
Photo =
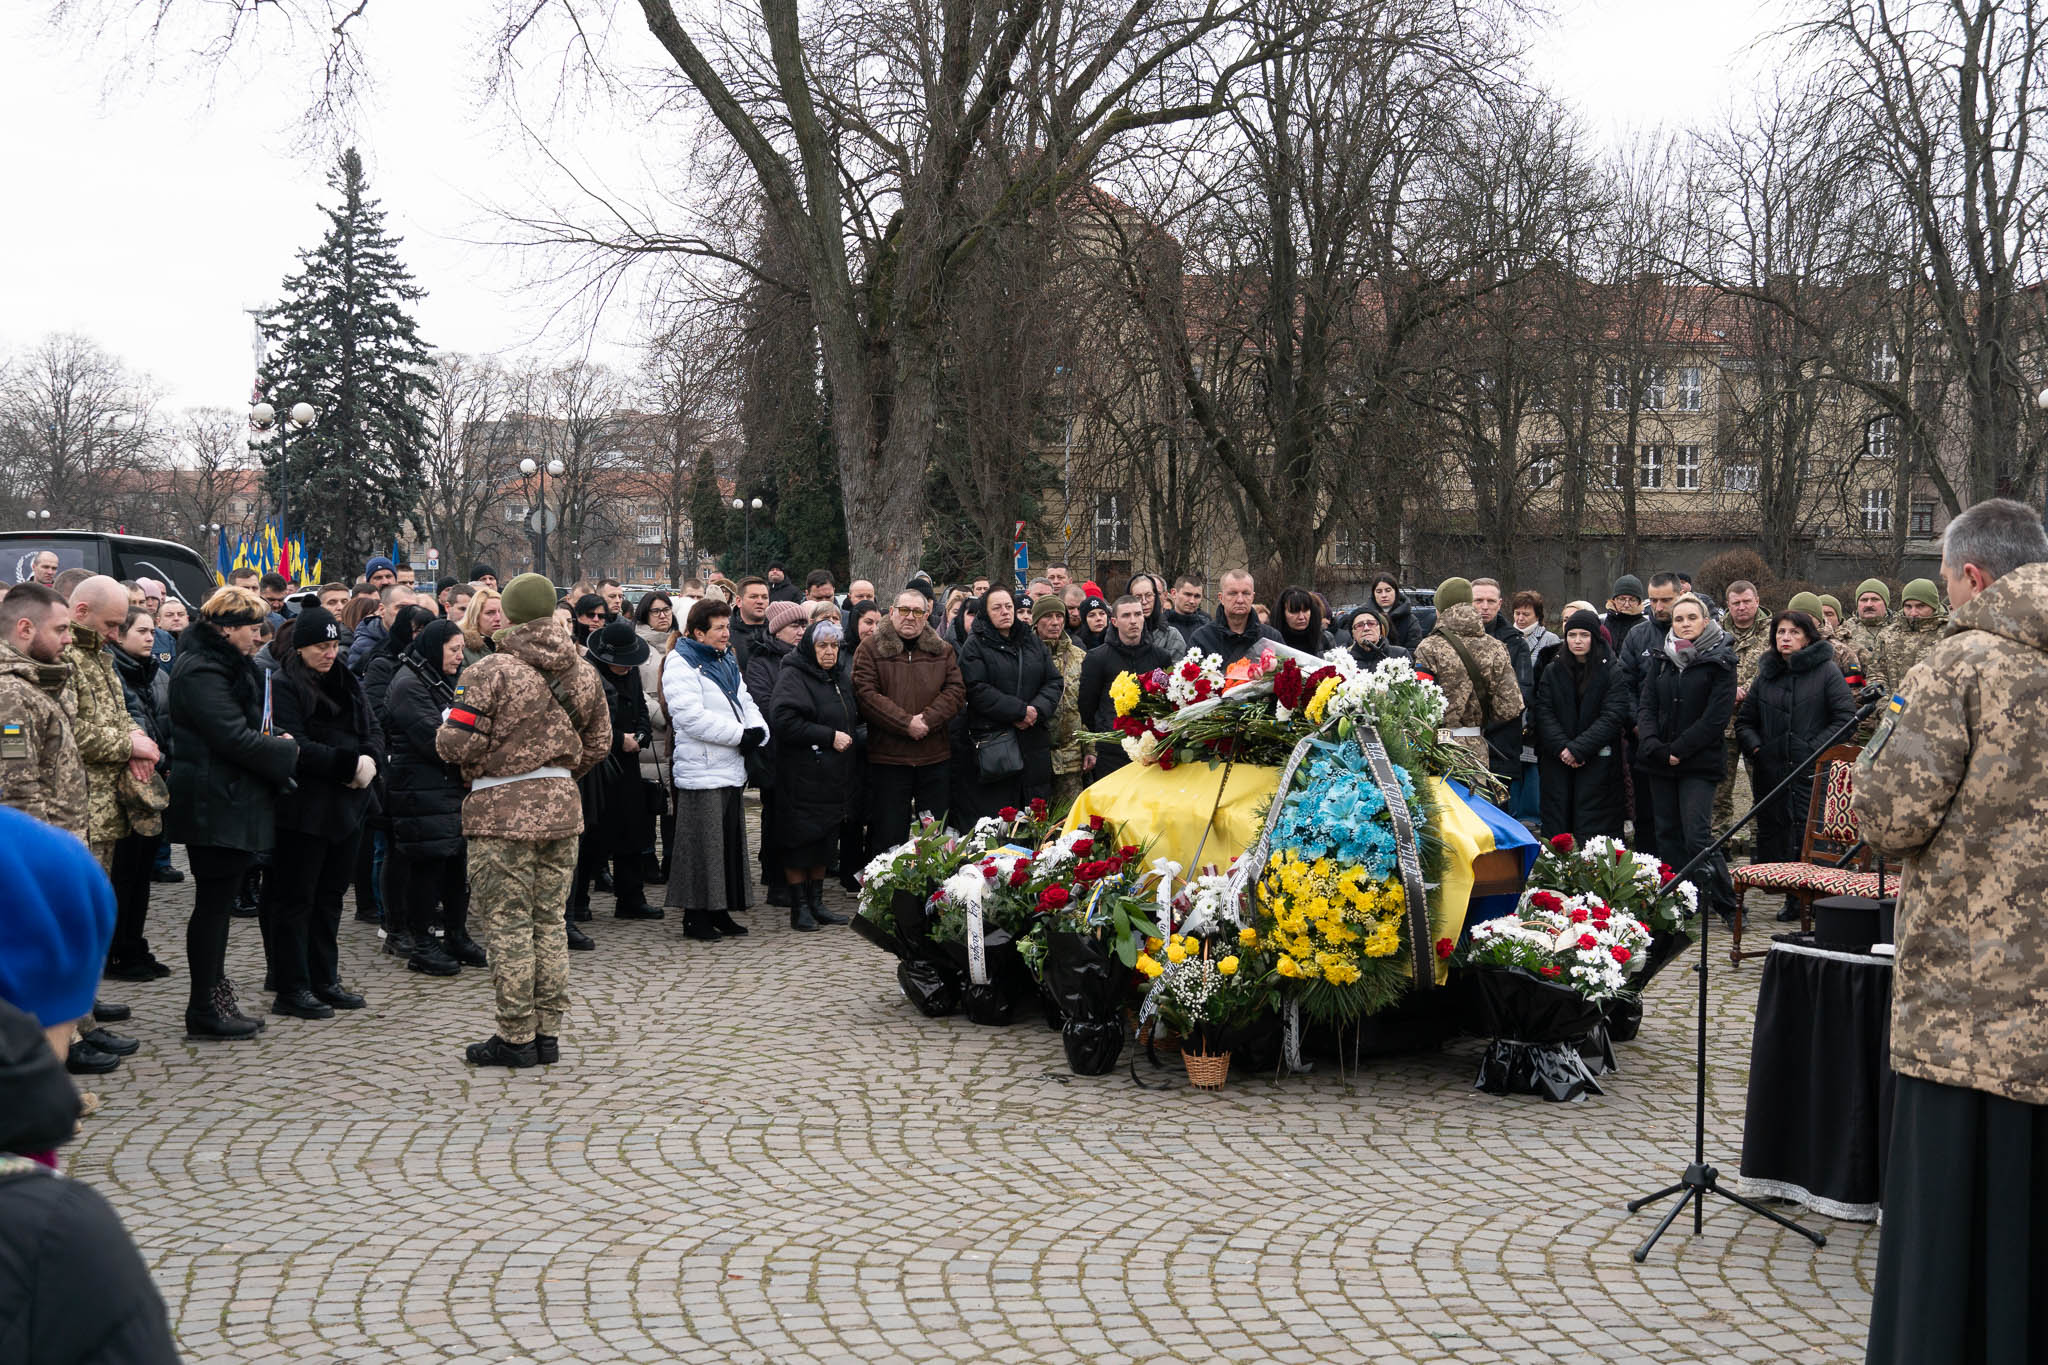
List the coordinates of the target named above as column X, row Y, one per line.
column 366, row 773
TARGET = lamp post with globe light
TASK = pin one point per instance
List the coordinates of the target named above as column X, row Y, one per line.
column 540, row 517
column 746, row 510
column 263, row 418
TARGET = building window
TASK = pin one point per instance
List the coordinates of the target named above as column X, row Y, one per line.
column 1878, row 435
column 1741, row 477
column 1543, row 463
column 1883, row 363
column 1685, row 466
column 1650, row 468
column 1877, row 509
column 1690, row 394
column 1653, row 388
column 1112, row 525
column 1922, row 525
column 1617, row 465
column 515, row 512
column 1617, row 388
column 1348, row 549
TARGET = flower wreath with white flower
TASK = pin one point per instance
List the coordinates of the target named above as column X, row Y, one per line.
column 1577, row 941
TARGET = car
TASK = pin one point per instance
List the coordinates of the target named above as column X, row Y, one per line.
column 178, row 567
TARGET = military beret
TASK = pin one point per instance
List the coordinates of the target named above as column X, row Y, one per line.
column 1453, row 592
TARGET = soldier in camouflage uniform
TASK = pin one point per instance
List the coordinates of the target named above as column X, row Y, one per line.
column 108, row 738
column 40, row 772
column 1436, row 655
column 1912, row 632
column 1748, row 628
column 1956, row 783
column 527, row 722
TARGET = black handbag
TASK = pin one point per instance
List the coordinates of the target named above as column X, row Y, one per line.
column 998, row 756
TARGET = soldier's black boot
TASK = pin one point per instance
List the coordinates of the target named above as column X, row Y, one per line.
column 461, row 947
column 818, row 910
column 548, row 1048
column 495, row 1051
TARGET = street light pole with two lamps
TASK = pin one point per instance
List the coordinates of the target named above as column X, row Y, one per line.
column 540, row 517
column 746, row 510
column 263, row 417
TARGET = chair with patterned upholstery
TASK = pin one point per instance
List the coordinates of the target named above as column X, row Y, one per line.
column 1833, row 860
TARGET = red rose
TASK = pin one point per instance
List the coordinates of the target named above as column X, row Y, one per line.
column 1127, row 852
column 1579, row 916
column 1007, row 814
column 1563, row 843
column 1020, row 874
column 1167, row 763
column 1202, row 688
column 1620, row 953
column 1053, row 898
column 1546, row 900
column 1664, row 873
column 1096, row 822
column 1551, row 971
column 1588, row 941
column 1039, row 808
column 988, row 870
column 1084, row 847
column 1444, row 946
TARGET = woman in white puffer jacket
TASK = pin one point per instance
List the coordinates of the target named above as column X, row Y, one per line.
column 713, row 722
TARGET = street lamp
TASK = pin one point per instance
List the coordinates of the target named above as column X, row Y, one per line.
column 746, row 511
column 264, row 418
column 539, row 521
column 37, row 515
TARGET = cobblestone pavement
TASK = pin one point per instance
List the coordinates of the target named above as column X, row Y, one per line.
column 756, row 1151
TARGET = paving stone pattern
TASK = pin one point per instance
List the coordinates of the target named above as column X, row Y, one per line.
column 756, row 1151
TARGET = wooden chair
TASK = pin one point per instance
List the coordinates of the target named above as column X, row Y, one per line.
column 1830, row 837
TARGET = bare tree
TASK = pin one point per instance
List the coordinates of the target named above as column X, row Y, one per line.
column 686, row 372
column 204, row 473
column 78, row 431
column 470, row 464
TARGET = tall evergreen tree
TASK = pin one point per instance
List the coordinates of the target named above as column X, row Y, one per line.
column 344, row 340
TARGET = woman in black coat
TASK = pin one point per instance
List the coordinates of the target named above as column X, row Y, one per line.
column 1582, row 705
column 227, row 772
column 134, row 655
column 423, row 798
column 1682, row 714
column 1408, row 625
column 818, row 735
column 1371, row 638
column 617, row 821
column 1299, row 619
column 383, row 882
column 341, row 748
column 1011, row 686
column 1799, row 698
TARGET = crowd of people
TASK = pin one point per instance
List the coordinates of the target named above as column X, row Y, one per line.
column 423, row 748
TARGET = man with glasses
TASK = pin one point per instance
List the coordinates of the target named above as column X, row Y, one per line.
column 907, row 683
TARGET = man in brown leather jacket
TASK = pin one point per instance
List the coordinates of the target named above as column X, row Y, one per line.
column 907, row 682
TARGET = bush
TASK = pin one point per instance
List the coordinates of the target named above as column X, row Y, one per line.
column 1731, row 566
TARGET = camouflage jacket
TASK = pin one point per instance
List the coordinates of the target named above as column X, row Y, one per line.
column 506, row 720
column 1067, row 752
column 1750, row 646
column 1956, row 783
column 1904, row 643
column 103, row 728
column 40, row 773
column 1435, row 656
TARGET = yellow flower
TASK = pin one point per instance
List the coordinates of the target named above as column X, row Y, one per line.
column 1176, row 954
column 1384, row 942
column 1153, row 945
column 1319, row 705
column 1148, row 966
column 1227, row 966
column 1287, row 966
column 1248, row 937
column 1125, row 693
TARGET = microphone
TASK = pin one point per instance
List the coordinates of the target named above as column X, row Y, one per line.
column 1872, row 693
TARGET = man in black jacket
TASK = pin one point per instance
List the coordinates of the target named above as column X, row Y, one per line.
column 1126, row 650
column 1636, row 654
column 750, row 618
column 1184, row 610
column 1524, row 802
column 1236, row 631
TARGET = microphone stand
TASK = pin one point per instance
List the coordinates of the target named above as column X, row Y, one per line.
column 1700, row 1179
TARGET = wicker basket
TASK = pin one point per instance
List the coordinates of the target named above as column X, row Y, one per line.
column 1206, row 1070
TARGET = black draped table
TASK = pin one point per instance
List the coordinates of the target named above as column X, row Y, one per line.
column 1819, row 1121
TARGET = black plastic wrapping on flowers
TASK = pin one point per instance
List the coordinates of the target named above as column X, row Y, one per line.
column 1624, row 1016
column 880, row 937
column 1086, row 981
column 907, row 908
column 1055, row 1017
column 1596, row 1049
column 1536, row 1026
column 928, row 988
column 989, row 1003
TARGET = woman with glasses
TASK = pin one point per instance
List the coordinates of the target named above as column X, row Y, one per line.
column 655, row 619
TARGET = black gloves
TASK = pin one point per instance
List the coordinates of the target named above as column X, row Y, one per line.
column 752, row 738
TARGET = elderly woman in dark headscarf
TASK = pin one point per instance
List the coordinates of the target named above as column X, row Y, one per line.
column 425, row 809
column 818, row 734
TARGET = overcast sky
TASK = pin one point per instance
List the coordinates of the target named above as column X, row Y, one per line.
column 150, row 211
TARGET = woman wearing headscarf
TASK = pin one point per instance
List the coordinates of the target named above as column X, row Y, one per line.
column 818, row 735
column 785, row 626
column 1798, row 699
column 655, row 618
column 230, row 768
column 1012, row 687
column 1682, row 714
column 1150, row 590
column 1581, row 707
column 425, row 794
column 714, row 722
column 319, row 702
column 1301, row 621
column 1369, row 632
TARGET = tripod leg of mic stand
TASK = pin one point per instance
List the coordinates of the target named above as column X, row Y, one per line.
column 1780, row 1219
column 1691, row 1192
column 1638, row 1205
